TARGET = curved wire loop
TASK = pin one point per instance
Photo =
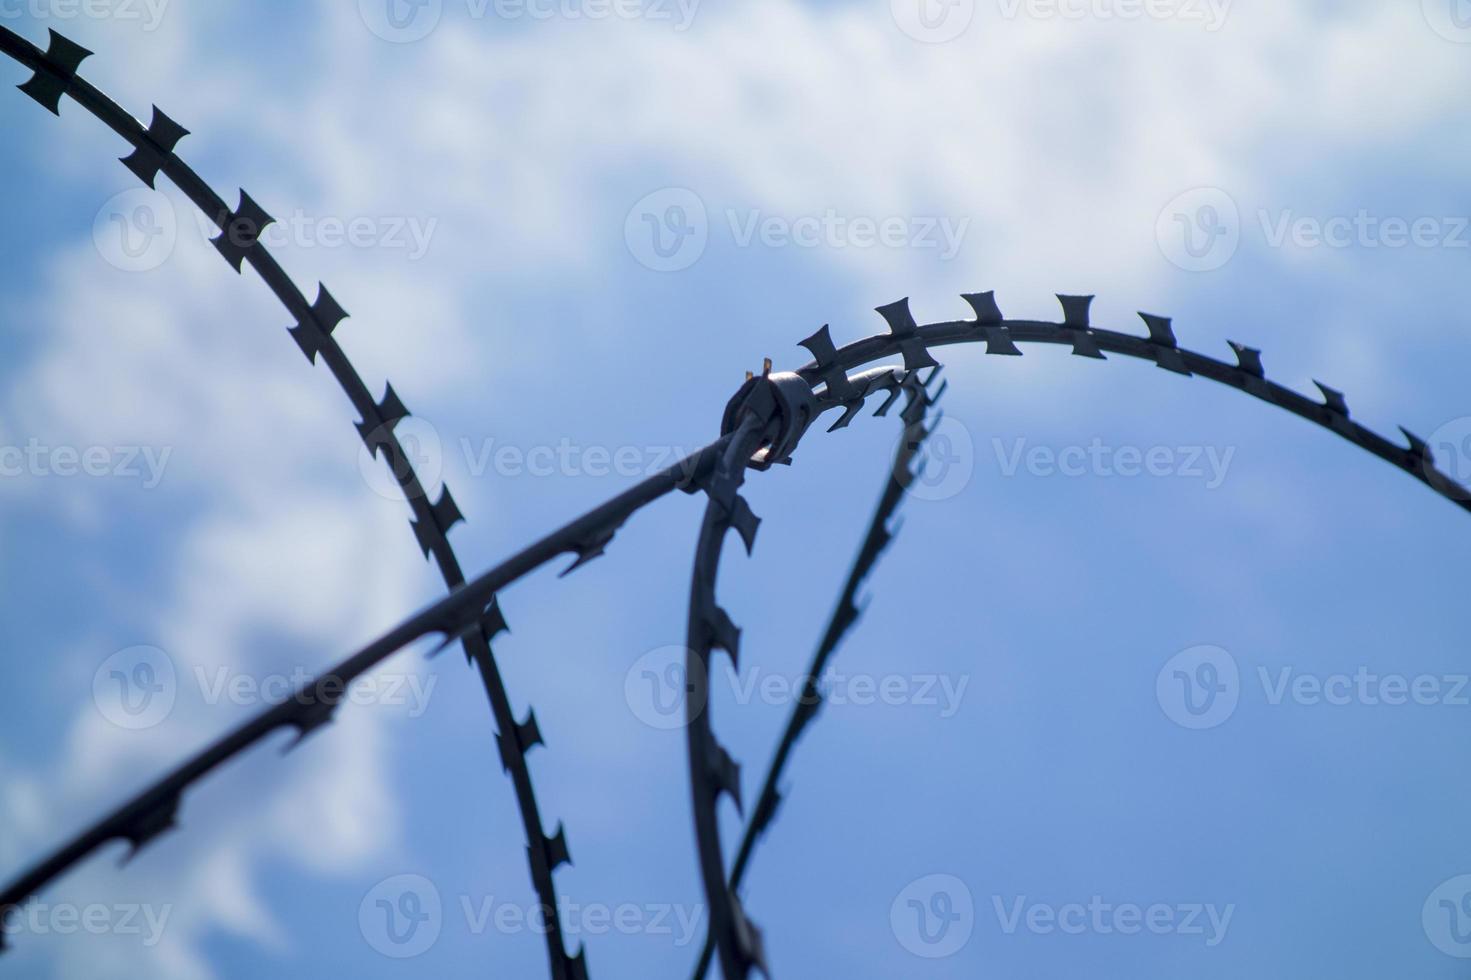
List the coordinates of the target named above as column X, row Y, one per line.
column 713, row 772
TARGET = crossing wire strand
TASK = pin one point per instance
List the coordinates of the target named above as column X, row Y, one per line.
column 460, row 613
column 239, row 243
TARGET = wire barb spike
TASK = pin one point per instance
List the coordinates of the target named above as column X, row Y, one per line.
column 311, row 331
column 574, row 967
column 1161, row 330
column 829, row 371
column 390, row 412
column 987, row 312
column 998, row 341
column 1166, row 349
column 240, row 231
column 313, row 717
column 752, row 943
column 62, row 59
column 745, row 522
column 1075, row 313
column 721, row 632
column 725, row 774
column 1333, row 399
column 850, row 412
column 152, row 825
column 493, row 623
column 1075, row 310
column 594, row 546
column 903, row 329
column 554, row 849
column 894, row 395
column 765, row 812
column 1418, row 447
column 443, row 515
column 163, row 135
column 1248, row 359
column 519, row 740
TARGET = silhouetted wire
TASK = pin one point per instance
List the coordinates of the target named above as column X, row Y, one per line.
column 239, row 243
column 760, row 428
column 846, row 613
column 713, row 772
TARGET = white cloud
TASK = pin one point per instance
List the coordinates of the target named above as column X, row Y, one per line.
column 276, row 536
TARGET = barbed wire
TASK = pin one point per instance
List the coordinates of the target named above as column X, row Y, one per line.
column 845, row 616
column 460, row 613
column 239, row 243
column 763, row 424
column 782, row 418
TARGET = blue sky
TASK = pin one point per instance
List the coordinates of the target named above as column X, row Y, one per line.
column 498, row 175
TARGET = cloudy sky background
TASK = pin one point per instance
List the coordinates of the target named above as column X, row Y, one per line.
column 1061, row 145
